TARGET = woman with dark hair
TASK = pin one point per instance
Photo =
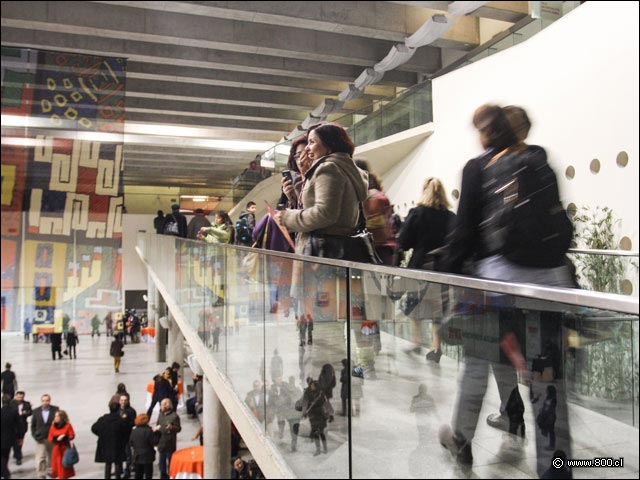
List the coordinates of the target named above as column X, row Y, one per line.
column 333, row 189
column 221, row 231
column 317, row 408
column 298, row 164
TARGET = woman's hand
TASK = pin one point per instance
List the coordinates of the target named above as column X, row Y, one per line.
column 61, row 437
column 289, row 191
column 304, row 162
column 278, row 217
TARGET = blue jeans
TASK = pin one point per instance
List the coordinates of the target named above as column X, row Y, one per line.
column 165, row 461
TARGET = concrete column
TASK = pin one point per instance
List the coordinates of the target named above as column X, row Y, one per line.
column 176, row 343
column 161, row 333
column 152, row 302
column 216, row 435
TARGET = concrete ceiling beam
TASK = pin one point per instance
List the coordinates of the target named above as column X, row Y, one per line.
column 126, row 23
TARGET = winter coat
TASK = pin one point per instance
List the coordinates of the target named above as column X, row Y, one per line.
column 219, row 234
column 195, row 224
column 168, row 438
column 11, row 425
column 59, row 447
column 331, row 196
column 142, row 441
column 112, row 431
column 116, row 349
column 424, row 229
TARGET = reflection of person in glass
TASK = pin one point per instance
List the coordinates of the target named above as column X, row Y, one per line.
column 422, row 405
column 317, row 408
column 546, row 419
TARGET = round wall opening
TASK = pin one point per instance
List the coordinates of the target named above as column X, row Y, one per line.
column 594, row 166
column 570, row 172
column 622, row 159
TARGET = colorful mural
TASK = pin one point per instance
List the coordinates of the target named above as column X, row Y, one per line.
column 62, row 193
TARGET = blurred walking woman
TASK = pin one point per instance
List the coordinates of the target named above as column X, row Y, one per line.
column 424, row 230
column 60, row 435
column 328, row 208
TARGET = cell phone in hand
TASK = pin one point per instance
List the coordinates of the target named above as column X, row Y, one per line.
column 287, row 174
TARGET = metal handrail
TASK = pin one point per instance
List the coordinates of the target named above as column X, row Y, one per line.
column 568, row 296
column 614, row 253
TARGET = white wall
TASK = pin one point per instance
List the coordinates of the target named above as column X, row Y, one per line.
column 578, row 80
column 134, row 272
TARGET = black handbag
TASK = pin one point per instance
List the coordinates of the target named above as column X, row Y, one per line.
column 355, row 248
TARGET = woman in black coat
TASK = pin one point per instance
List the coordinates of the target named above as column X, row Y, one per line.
column 424, row 230
column 327, row 380
column 316, row 406
column 111, row 430
column 143, row 441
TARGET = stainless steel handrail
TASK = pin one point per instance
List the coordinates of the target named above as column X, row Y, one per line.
column 568, row 296
column 613, row 253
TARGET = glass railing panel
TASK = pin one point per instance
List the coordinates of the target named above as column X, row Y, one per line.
column 608, row 273
column 579, row 362
column 304, row 316
column 244, row 302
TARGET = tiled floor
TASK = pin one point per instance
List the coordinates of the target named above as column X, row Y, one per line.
column 83, row 388
column 385, row 442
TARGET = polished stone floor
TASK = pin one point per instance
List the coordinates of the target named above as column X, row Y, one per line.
column 385, row 438
column 83, row 388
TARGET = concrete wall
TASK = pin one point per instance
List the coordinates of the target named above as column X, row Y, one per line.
column 134, row 273
column 578, row 79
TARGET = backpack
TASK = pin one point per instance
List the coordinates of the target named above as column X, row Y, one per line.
column 171, row 227
column 243, row 232
column 524, row 219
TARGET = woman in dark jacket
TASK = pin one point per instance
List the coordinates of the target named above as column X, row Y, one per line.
column 72, row 341
column 424, row 230
column 291, row 189
column 161, row 389
column 143, row 441
column 327, row 380
column 316, row 406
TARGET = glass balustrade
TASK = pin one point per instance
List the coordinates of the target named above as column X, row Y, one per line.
column 274, row 325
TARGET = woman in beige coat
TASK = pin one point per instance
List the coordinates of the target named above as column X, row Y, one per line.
column 332, row 191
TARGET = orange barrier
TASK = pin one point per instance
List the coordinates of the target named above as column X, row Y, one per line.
column 151, row 331
column 185, row 461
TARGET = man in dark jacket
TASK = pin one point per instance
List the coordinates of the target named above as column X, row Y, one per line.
column 128, row 414
column 56, row 345
column 24, row 411
column 158, row 222
column 40, row 425
column 10, row 428
column 168, row 425
column 175, row 223
column 111, row 430
column 198, row 221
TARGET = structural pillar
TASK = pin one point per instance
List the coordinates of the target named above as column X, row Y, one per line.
column 161, row 333
column 216, row 434
column 152, row 302
column 176, row 343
